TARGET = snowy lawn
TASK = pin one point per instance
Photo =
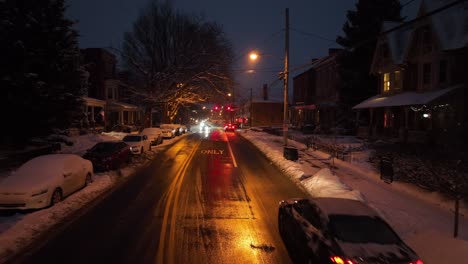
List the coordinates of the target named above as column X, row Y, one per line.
column 423, row 219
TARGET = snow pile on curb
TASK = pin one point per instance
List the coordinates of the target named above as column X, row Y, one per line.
column 321, row 184
column 325, row 184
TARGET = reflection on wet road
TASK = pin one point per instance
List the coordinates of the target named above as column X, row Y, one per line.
column 211, row 197
column 217, row 219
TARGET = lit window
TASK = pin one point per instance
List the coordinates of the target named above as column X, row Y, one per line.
column 386, row 83
column 397, row 83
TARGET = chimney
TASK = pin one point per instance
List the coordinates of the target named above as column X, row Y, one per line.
column 265, row 92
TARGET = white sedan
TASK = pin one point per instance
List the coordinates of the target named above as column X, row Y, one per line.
column 44, row 181
column 138, row 143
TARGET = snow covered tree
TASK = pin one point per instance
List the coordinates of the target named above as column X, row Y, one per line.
column 39, row 69
column 176, row 59
column 361, row 30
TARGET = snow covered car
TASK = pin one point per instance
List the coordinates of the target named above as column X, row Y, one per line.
column 168, row 130
column 138, row 143
column 43, row 181
column 154, row 135
column 337, row 230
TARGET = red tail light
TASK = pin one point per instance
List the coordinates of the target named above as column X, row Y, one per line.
column 417, row 262
column 341, row 260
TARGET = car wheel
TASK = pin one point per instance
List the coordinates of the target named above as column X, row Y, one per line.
column 142, row 150
column 56, row 197
column 89, row 179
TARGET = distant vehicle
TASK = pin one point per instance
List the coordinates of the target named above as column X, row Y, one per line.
column 339, row 231
column 108, row 155
column 154, row 134
column 44, row 181
column 178, row 129
column 183, row 129
column 230, row 127
column 138, row 143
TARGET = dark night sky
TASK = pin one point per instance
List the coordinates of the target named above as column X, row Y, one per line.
column 254, row 24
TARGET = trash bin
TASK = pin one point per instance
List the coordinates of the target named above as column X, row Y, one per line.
column 386, row 169
column 290, row 153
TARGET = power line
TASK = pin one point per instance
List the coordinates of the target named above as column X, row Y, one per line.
column 428, row 14
column 407, row 3
column 312, row 35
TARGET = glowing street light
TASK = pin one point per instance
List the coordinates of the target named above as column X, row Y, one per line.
column 253, row 56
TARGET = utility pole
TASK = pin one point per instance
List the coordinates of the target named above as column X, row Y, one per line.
column 251, row 108
column 286, row 81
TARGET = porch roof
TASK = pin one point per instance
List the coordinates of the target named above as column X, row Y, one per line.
column 89, row 101
column 119, row 106
column 308, row 107
column 403, row 99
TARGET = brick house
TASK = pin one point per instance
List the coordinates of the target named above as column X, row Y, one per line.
column 303, row 108
column 422, row 78
column 105, row 105
column 315, row 96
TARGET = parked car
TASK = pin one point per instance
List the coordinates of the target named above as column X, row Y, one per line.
column 44, row 181
column 154, row 134
column 336, row 230
column 168, row 130
column 138, row 143
column 230, row 127
column 108, row 155
column 178, row 129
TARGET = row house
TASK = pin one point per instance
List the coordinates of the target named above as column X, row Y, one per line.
column 105, row 100
column 264, row 111
column 315, row 96
column 421, row 69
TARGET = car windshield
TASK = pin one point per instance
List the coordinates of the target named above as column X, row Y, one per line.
column 362, row 229
column 132, row 138
column 104, row 147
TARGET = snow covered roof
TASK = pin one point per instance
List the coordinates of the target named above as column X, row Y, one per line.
column 397, row 40
column 93, row 101
column 120, row 105
column 341, row 206
column 406, row 98
column 450, row 25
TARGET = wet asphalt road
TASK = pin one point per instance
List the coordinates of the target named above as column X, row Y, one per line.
column 209, row 198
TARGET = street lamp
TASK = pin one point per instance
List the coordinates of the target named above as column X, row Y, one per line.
column 289, row 153
column 253, row 56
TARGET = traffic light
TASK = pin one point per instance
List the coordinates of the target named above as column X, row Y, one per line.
column 228, row 108
column 216, row 108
